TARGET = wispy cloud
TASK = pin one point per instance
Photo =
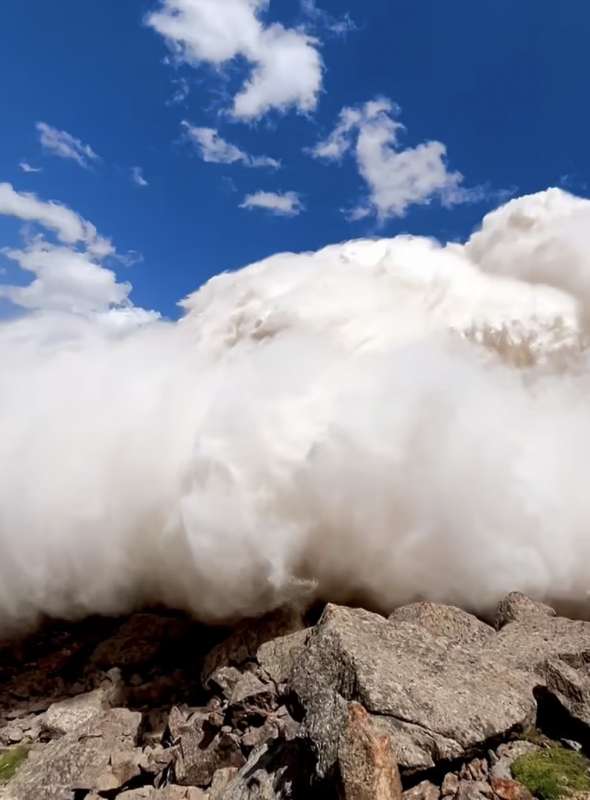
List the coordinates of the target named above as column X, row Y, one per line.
column 396, row 177
column 137, row 177
column 26, row 167
column 284, row 204
column 287, row 68
column 215, row 150
column 64, row 145
column 338, row 26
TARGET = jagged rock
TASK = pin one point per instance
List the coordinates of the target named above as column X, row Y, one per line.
column 367, row 764
column 278, row 656
column 123, row 766
column 243, row 643
column 506, row 754
column 251, row 689
column 437, row 699
column 77, row 760
column 450, row 785
column 202, row 751
column 221, row 780
column 448, row 621
column 476, row 770
column 225, row 679
column 165, row 793
column 275, row 771
column 517, row 607
column 506, row 789
column 69, row 714
column 474, row 790
column 138, row 641
column 422, row 791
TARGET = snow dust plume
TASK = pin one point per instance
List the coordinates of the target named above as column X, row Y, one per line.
column 324, row 424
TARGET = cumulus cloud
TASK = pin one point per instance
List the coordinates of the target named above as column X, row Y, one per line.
column 215, row 150
column 64, row 145
column 137, row 177
column 396, row 177
column 286, row 67
column 68, row 274
column 307, row 430
column 283, row 204
column 26, row 167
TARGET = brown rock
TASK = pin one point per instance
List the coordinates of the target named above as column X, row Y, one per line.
column 221, row 780
column 422, row 791
column 278, row 656
column 450, row 785
column 201, row 752
column 517, row 607
column 510, row 790
column 474, row 790
column 368, row 768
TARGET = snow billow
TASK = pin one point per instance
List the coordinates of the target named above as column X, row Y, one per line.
column 313, row 426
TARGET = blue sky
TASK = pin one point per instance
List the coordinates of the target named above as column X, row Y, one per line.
column 501, row 84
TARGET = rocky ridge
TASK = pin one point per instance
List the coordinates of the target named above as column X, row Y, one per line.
column 431, row 703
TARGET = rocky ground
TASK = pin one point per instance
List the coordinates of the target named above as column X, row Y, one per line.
column 431, row 703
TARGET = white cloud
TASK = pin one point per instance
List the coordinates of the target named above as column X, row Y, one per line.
column 339, row 26
column 137, row 176
column 26, row 167
column 286, row 64
column 63, row 144
column 68, row 226
column 215, row 150
column 396, row 178
column 68, row 275
column 284, row 204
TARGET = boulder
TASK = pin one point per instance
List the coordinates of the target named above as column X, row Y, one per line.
column 277, row 657
column 425, row 790
column 367, row 765
column 448, row 621
column 242, row 644
column 517, row 607
column 202, row 750
column 67, row 715
column 276, row 770
column 79, row 760
column 138, row 641
column 436, row 699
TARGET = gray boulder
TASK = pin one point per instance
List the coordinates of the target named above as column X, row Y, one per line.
column 517, row 607
column 448, row 621
column 435, row 698
column 79, row 760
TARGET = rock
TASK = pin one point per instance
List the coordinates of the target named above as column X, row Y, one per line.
column 67, row 715
column 251, row 689
column 508, row 753
column 450, row 785
column 367, row 764
column 166, row 793
column 243, row 643
column 225, row 679
column 517, row 607
column 278, row 656
column 123, row 766
column 510, row 790
column 202, row 752
column 275, row 771
column 436, row 699
column 78, row 760
column 448, row 621
column 474, row 790
column 138, row 641
column 221, row 780
column 422, row 791
column 476, row 770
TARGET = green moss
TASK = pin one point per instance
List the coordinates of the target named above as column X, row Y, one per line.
column 10, row 762
column 553, row 773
